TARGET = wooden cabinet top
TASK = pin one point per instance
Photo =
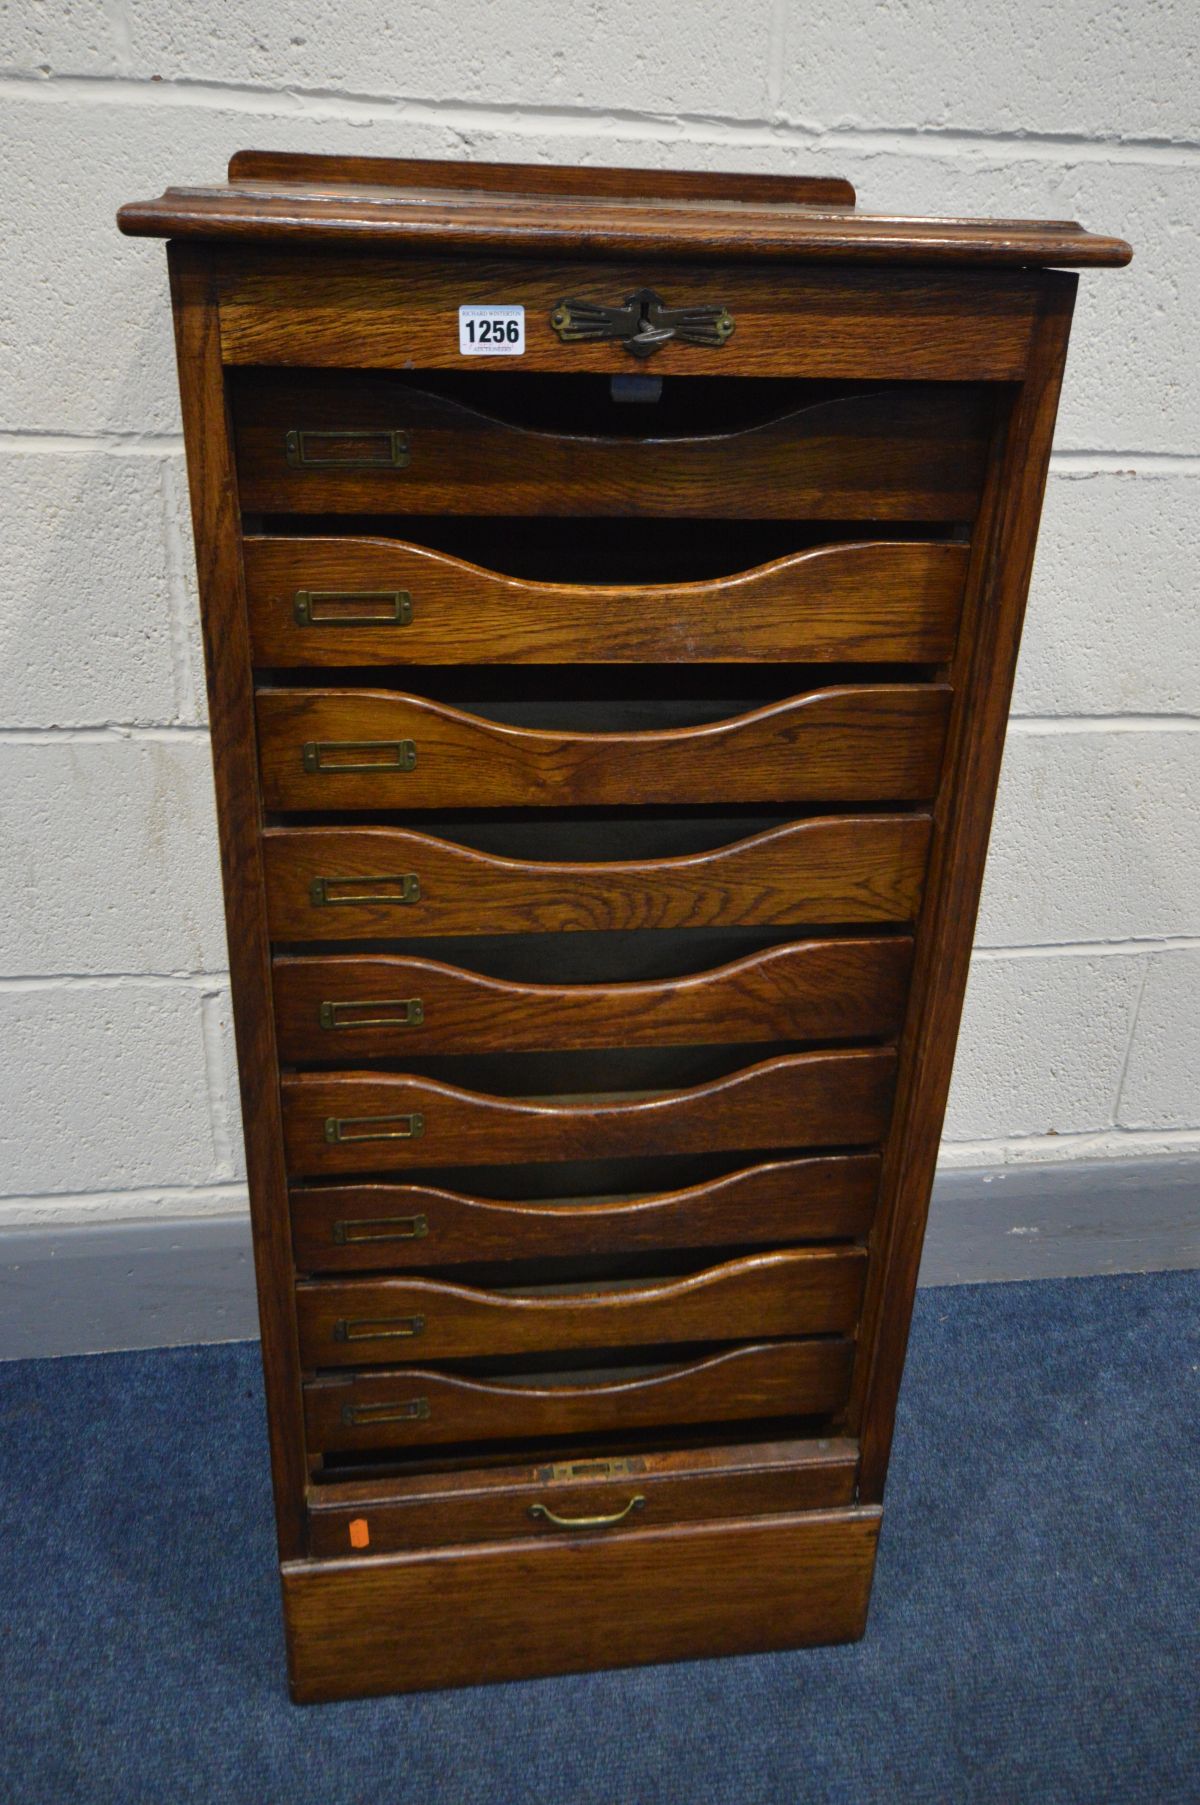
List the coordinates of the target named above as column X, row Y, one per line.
column 528, row 210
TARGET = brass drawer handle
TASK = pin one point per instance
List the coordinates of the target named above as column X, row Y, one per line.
column 341, row 1128
column 395, row 608
column 618, row 1516
column 322, row 755
column 380, row 1228
column 361, row 1416
column 408, row 1012
column 408, row 890
column 381, row 1328
column 355, row 449
column 642, row 323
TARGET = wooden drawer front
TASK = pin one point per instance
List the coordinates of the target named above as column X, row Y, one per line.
column 380, row 601
column 281, row 306
column 334, row 442
column 361, row 1123
column 577, row 1601
column 379, row 1006
column 415, row 1408
column 351, row 1322
column 382, row 1516
column 355, row 749
column 365, row 1226
column 364, row 883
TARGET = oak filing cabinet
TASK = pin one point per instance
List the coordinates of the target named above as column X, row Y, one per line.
column 612, row 584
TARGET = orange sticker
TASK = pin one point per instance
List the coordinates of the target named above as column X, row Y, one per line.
column 360, row 1534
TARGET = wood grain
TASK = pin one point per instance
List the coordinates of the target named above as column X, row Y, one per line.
column 798, row 1100
column 537, row 178
column 896, row 454
column 856, row 743
column 323, row 284
column 385, row 1005
column 363, row 1321
column 509, row 1610
column 216, row 526
column 365, row 1226
column 681, row 1486
column 872, row 599
column 285, row 307
column 866, row 868
column 982, row 676
column 539, row 225
column 370, row 1410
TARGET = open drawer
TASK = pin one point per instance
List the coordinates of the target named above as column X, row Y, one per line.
column 325, row 441
column 804, row 1291
column 415, row 1407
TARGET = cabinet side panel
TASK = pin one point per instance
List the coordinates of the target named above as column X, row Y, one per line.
column 217, row 530
column 982, row 674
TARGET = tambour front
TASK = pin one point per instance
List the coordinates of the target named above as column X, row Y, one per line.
column 612, row 585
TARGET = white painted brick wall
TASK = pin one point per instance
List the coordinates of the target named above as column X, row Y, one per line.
column 87, row 624
column 1164, row 1060
column 108, row 844
column 109, row 1084
column 1043, row 1043
column 117, row 1091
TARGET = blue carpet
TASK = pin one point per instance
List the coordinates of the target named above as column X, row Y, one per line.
column 1033, row 1633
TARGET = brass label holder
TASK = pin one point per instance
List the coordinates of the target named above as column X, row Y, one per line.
column 407, row 890
column 319, row 448
column 395, row 608
column 405, row 1012
column 381, row 1328
column 362, row 1416
column 340, row 1129
column 336, row 755
column 577, row 1470
column 351, row 1232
